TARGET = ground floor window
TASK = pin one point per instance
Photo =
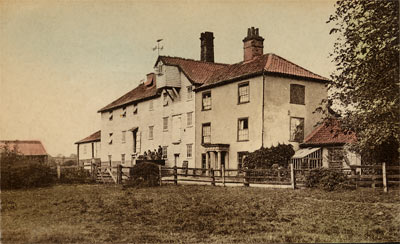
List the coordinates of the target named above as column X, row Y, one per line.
column 164, row 152
column 241, row 157
column 203, row 162
column 189, row 150
column 335, row 157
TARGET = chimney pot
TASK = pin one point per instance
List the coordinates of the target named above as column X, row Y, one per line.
column 207, row 46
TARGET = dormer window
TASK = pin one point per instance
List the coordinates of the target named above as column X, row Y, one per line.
column 123, row 114
column 110, row 115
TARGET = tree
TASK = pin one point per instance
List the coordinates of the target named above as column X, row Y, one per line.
column 365, row 85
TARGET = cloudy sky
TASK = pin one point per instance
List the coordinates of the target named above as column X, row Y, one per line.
column 61, row 61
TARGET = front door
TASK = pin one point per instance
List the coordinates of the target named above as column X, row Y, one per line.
column 176, row 159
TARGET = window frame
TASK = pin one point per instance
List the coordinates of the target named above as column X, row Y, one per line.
column 151, row 132
column 202, row 132
column 238, row 128
column 151, row 105
column 189, row 146
column 135, row 109
column 248, row 91
column 191, row 119
column 203, row 94
column 123, row 158
column 123, row 137
column 243, row 155
column 123, row 115
column 291, row 94
column 165, row 125
column 164, row 151
column 189, row 95
column 165, row 99
column 290, row 129
column 110, row 115
column 110, row 138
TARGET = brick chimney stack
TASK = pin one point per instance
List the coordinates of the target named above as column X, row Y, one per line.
column 253, row 44
column 207, row 47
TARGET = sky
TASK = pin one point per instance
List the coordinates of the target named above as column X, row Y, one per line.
column 61, row 61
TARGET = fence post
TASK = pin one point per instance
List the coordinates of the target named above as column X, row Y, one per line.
column 212, row 177
column 279, row 174
column 94, row 172
column 175, row 175
column 58, row 171
column 160, row 174
column 292, row 176
column 385, row 188
column 119, row 174
column 223, row 174
column 245, row 179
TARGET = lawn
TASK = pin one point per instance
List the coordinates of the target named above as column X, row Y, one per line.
column 196, row 214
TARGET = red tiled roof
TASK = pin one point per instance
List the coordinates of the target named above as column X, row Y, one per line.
column 27, row 148
column 93, row 137
column 329, row 134
column 269, row 63
column 141, row 92
column 196, row 71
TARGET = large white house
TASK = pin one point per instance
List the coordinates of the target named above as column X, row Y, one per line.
column 207, row 114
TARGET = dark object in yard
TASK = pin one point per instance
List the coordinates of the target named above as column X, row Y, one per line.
column 143, row 175
column 155, row 161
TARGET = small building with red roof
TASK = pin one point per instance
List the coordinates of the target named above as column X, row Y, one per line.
column 89, row 149
column 30, row 149
column 326, row 147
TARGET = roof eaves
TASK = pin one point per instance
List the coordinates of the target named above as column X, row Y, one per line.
column 224, row 82
column 103, row 110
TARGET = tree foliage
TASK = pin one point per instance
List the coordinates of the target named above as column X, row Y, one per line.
column 365, row 85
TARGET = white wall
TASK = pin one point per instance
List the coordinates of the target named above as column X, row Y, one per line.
column 145, row 118
column 85, row 150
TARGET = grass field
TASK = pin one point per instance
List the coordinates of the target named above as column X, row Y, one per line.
column 200, row 214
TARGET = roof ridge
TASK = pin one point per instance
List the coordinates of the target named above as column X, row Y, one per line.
column 298, row 66
column 189, row 59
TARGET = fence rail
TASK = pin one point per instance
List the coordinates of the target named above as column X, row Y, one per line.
column 361, row 176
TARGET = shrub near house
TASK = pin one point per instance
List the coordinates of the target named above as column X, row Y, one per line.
column 18, row 172
column 264, row 158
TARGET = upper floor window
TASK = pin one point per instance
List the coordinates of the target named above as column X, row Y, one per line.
column 297, row 94
column 243, row 93
column 165, row 124
column 296, row 129
column 206, row 101
column 151, row 105
column 159, row 69
column 165, row 99
column 243, row 129
column 135, row 108
column 123, row 138
column 110, row 138
column 189, row 92
column 110, row 115
column 206, row 133
column 123, row 114
column 151, row 128
column 189, row 119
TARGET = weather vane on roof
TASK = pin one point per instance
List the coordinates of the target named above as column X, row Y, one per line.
column 158, row 47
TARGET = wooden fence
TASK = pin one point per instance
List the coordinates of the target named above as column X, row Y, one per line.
column 361, row 176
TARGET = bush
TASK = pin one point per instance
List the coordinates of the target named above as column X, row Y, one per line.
column 75, row 175
column 25, row 174
column 144, row 175
column 327, row 179
column 264, row 158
